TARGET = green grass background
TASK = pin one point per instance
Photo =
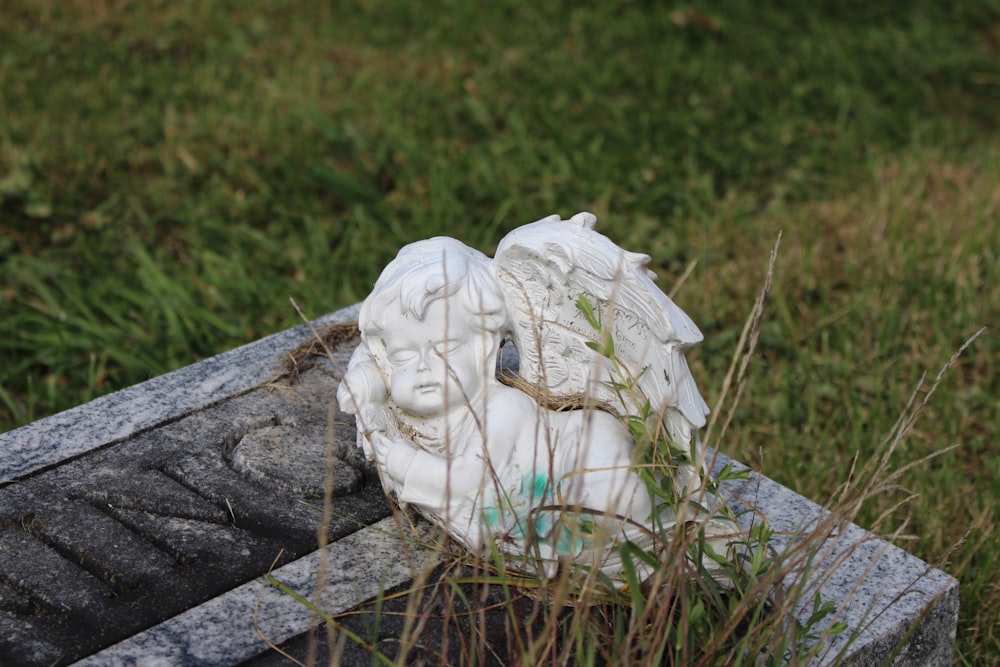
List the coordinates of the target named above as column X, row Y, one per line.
column 172, row 172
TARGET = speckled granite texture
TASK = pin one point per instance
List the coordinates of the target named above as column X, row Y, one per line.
column 899, row 610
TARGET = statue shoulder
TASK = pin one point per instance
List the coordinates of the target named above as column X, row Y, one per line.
column 507, row 403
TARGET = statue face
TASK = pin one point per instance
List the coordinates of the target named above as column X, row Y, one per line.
column 434, row 363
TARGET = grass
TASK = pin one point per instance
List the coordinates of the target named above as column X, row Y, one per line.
column 171, row 174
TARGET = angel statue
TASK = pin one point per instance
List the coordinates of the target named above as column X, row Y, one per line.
column 496, row 457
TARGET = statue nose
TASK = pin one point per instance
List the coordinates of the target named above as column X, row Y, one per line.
column 422, row 364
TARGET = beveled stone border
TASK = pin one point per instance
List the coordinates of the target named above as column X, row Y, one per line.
column 117, row 416
column 231, row 628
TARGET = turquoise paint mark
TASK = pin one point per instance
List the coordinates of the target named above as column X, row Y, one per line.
column 566, row 542
column 516, row 516
column 535, row 486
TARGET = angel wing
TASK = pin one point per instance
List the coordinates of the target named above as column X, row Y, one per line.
column 544, row 269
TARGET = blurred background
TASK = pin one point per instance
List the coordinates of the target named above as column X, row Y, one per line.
column 172, row 173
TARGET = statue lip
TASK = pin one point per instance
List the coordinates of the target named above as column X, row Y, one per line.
column 428, row 387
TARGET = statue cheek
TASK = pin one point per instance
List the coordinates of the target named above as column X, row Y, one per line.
column 437, row 369
column 402, row 378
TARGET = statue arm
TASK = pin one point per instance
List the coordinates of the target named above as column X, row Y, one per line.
column 601, row 469
column 363, row 393
column 427, row 480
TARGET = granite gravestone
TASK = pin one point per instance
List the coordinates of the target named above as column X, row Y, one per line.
column 136, row 529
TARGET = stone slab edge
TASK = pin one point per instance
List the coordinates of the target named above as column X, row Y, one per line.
column 899, row 610
column 124, row 413
column 231, row 628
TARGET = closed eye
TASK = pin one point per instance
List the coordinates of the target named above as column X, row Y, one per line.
column 402, row 356
column 447, row 347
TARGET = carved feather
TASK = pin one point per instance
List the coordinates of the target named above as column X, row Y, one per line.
column 544, row 268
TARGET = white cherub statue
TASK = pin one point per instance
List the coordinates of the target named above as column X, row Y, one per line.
column 493, row 464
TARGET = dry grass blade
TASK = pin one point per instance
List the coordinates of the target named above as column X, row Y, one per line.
column 741, row 356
